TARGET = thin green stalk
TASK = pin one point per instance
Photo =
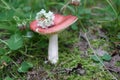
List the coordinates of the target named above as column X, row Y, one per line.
column 85, row 2
column 22, row 52
column 82, row 26
column 112, row 8
column 15, row 63
column 5, row 3
column 13, row 75
column 3, row 42
column 64, row 7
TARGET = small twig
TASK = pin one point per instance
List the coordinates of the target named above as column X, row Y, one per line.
column 64, row 7
column 98, row 57
column 26, row 54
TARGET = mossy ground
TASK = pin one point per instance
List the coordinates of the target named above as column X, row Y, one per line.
column 69, row 57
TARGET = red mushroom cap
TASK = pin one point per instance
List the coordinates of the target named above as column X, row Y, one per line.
column 60, row 23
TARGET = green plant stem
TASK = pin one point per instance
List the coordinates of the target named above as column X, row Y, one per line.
column 26, row 54
column 85, row 1
column 13, row 75
column 5, row 3
column 108, row 1
column 64, row 7
column 82, row 26
column 15, row 63
column 3, row 42
column 77, row 10
column 8, row 52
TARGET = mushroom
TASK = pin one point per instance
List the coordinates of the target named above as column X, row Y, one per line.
column 60, row 23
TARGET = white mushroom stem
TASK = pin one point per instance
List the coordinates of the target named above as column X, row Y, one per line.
column 53, row 49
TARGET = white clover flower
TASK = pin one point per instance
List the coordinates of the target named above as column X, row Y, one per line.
column 44, row 19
